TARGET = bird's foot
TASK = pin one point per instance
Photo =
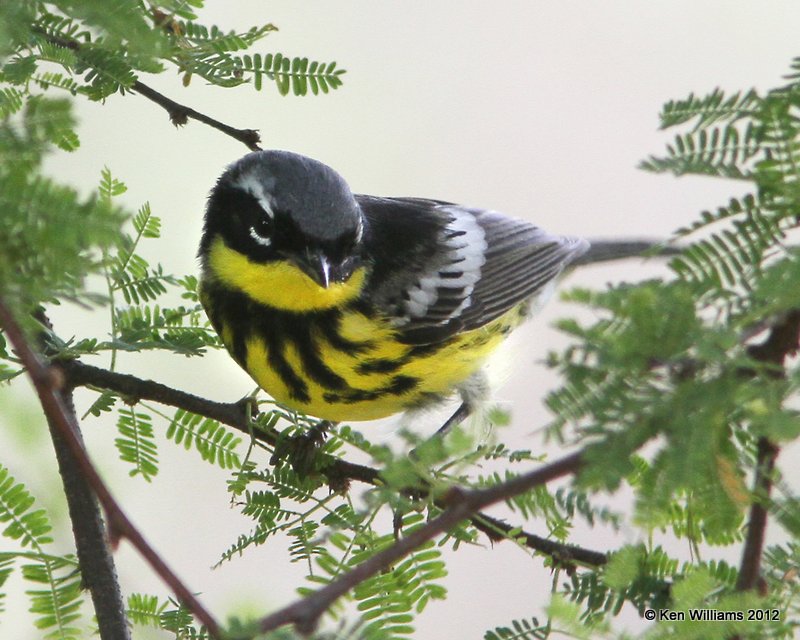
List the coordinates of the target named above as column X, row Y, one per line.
column 300, row 450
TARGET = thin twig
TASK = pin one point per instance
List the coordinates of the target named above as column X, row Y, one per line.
column 305, row 613
column 48, row 384
column 337, row 472
column 565, row 555
column 179, row 114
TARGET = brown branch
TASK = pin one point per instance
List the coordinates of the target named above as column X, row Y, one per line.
column 750, row 566
column 232, row 414
column 461, row 505
column 48, row 385
column 782, row 341
column 98, row 571
column 179, row 114
column 565, row 555
column 80, row 374
column 337, row 472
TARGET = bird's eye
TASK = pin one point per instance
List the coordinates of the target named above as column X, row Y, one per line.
column 261, row 231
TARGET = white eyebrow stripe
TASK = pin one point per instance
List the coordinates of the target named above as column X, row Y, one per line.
column 253, row 186
column 264, row 242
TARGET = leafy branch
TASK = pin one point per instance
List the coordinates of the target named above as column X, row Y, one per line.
column 179, row 114
column 337, row 471
column 669, row 362
column 460, row 505
column 120, row 526
column 783, row 341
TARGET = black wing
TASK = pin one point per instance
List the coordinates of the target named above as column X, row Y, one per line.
column 440, row 268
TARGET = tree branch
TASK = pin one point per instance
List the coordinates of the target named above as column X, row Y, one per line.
column 48, row 385
column 750, row 566
column 98, row 572
column 782, row 341
column 232, row 414
column 461, row 505
column 338, row 472
column 179, row 114
column 565, row 555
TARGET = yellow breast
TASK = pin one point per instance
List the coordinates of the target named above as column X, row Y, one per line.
column 316, row 351
column 383, row 378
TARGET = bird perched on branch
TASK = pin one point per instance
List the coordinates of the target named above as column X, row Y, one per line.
column 354, row 307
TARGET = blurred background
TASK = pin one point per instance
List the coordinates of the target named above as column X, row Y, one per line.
column 538, row 109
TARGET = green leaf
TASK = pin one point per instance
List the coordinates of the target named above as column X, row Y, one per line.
column 52, row 122
column 39, row 213
column 58, row 604
column 145, row 610
column 692, row 589
column 212, row 441
column 102, row 404
column 110, row 187
column 623, row 567
column 296, row 75
column 30, row 527
column 182, row 330
column 728, row 152
column 709, row 109
column 520, row 630
column 10, row 101
column 136, row 443
column 146, row 224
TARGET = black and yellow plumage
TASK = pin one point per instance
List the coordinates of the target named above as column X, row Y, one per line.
column 353, row 307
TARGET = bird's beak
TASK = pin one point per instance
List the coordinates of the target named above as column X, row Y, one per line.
column 321, row 270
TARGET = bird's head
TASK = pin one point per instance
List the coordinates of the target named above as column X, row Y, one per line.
column 285, row 220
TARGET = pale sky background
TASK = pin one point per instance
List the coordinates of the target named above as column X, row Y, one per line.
column 538, row 109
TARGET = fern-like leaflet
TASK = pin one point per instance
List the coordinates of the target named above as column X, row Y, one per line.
column 145, row 610
column 136, row 443
column 520, row 630
column 709, row 109
column 56, row 598
column 297, row 75
column 209, row 438
column 727, row 152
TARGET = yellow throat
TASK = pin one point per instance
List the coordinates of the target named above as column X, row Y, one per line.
column 280, row 285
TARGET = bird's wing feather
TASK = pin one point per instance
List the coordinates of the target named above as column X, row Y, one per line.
column 454, row 268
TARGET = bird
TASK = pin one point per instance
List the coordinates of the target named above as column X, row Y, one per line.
column 350, row 307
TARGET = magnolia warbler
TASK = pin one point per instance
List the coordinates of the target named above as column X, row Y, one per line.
column 354, row 307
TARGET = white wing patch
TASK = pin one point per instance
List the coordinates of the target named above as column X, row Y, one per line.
column 463, row 244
